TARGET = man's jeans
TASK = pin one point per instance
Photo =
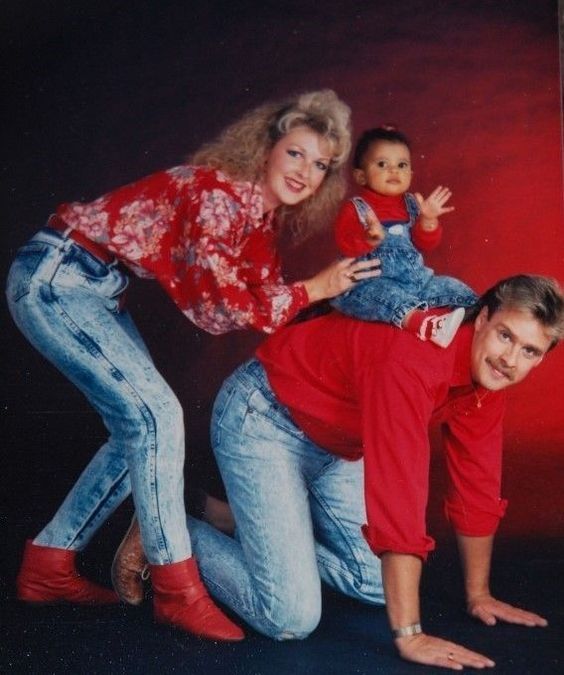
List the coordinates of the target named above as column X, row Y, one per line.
column 67, row 303
column 298, row 509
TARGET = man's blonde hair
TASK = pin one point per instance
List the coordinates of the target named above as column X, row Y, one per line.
column 541, row 296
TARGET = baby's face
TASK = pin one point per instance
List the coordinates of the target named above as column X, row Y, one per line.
column 386, row 168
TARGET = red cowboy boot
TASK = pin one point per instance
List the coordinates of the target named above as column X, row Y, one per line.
column 49, row 575
column 180, row 599
column 129, row 567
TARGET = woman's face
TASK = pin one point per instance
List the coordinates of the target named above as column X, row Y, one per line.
column 295, row 168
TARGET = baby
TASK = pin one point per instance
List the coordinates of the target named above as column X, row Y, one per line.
column 387, row 222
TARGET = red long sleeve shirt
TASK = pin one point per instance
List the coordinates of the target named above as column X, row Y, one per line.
column 205, row 238
column 362, row 389
column 350, row 234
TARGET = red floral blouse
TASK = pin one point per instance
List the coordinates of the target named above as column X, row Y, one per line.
column 205, row 238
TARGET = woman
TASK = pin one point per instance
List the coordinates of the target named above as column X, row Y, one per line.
column 206, row 232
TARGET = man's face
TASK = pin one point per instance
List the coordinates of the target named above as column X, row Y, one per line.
column 506, row 347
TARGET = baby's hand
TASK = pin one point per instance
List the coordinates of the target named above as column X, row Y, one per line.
column 375, row 232
column 434, row 205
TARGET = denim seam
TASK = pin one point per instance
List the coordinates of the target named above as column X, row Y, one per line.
column 401, row 312
column 145, row 411
column 450, row 301
column 352, row 549
column 110, row 494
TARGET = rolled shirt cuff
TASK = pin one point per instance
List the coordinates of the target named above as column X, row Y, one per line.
column 475, row 523
column 381, row 543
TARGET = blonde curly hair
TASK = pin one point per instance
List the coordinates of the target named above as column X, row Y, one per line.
column 240, row 151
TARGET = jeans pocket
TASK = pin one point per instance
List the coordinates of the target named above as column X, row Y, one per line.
column 221, row 412
column 266, row 416
column 23, row 268
column 116, row 300
column 83, row 263
column 81, row 270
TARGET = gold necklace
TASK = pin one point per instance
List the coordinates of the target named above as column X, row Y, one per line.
column 477, row 396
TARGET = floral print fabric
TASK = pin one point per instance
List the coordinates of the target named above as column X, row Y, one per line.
column 205, row 238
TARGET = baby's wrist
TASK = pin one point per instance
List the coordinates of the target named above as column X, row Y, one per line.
column 429, row 223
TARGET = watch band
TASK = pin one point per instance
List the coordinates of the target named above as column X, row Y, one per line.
column 412, row 629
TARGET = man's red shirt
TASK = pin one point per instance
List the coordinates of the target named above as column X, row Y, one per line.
column 363, row 389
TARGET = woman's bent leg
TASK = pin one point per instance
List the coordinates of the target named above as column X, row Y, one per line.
column 66, row 303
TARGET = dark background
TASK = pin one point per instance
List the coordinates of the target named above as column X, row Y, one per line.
column 97, row 94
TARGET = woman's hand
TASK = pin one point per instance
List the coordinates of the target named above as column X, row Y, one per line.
column 339, row 277
column 433, row 651
column 488, row 610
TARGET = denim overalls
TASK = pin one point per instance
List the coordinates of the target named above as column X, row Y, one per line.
column 405, row 283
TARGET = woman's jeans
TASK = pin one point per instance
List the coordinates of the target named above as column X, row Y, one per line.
column 298, row 509
column 67, row 303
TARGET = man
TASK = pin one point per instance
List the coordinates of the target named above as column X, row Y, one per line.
column 291, row 427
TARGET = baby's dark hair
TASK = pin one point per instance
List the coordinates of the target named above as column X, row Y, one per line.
column 385, row 133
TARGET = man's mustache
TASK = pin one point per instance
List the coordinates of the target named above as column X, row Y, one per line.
column 503, row 369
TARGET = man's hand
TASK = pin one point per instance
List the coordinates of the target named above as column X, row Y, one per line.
column 434, row 206
column 433, row 651
column 488, row 610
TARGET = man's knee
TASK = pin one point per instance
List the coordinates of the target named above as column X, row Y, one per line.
column 296, row 624
column 294, row 616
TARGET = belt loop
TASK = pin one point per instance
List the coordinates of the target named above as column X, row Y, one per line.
column 63, row 242
column 62, row 247
column 66, row 241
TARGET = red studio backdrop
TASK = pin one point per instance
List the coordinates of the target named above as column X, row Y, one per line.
column 474, row 84
column 99, row 94
column 479, row 97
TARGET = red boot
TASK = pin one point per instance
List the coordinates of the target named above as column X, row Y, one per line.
column 48, row 575
column 180, row 599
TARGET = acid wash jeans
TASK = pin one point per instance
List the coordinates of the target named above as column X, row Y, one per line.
column 298, row 509
column 67, row 303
